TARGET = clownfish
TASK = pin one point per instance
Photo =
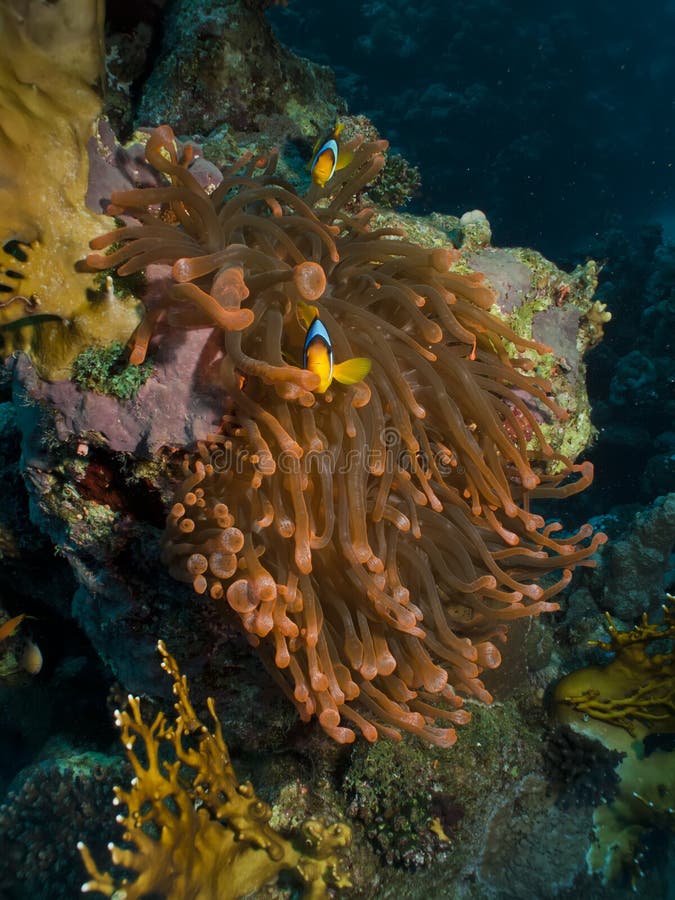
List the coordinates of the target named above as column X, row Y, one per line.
column 328, row 156
column 317, row 357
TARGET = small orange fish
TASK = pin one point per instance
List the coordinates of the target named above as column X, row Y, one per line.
column 317, row 356
column 328, row 156
column 8, row 628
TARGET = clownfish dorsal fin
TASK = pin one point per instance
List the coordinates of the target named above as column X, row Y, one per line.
column 306, row 313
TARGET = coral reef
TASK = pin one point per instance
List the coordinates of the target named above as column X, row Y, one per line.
column 397, row 182
column 538, row 301
column 221, row 63
column 132, row 35
column 393, row 789
column 634, row 571
column 105, row 370
column 202, row 835
column 102, row 418
column 516, row 862
column 102, row 470
column 555, row 309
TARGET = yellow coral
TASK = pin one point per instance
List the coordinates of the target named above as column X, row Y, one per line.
column 636, row 686
column 597, row 317
column 621, row 704
column 205, row 837
column 50, row 60
column 620, row 826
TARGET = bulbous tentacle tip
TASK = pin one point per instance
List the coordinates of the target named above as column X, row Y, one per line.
column 442, row 258
column 161, row 139
column 137, row 356
column 182, row 270
column 96, row 261
column 310, row 280
column 488, row 655
column 237, row 319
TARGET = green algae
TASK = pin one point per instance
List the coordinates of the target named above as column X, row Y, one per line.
column 390, row 788
column 105, row 370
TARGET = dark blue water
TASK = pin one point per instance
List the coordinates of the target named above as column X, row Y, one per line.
column 557, row 122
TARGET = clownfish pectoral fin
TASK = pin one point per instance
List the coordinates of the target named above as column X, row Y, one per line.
column 344, row 158
column 351, row 371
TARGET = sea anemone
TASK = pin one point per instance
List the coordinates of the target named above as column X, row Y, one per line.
column 373, row 539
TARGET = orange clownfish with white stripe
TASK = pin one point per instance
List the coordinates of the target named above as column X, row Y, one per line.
column 317, row 357
column 328, row 157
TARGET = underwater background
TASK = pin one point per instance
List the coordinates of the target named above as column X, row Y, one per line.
column 530, row 173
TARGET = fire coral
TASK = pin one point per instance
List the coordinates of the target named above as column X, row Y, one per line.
column 636, row 689
column 197, row 833
column 374, row 540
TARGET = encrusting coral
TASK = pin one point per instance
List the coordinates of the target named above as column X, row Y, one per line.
column 63, row 797
column 197, row 833
column 373, row 539
column 580, row 769
column 51, row 60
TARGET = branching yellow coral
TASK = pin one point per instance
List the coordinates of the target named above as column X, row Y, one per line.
column 202, row 836
column 637, row 686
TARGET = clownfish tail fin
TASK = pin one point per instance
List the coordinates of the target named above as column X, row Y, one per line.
column 352, row 370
